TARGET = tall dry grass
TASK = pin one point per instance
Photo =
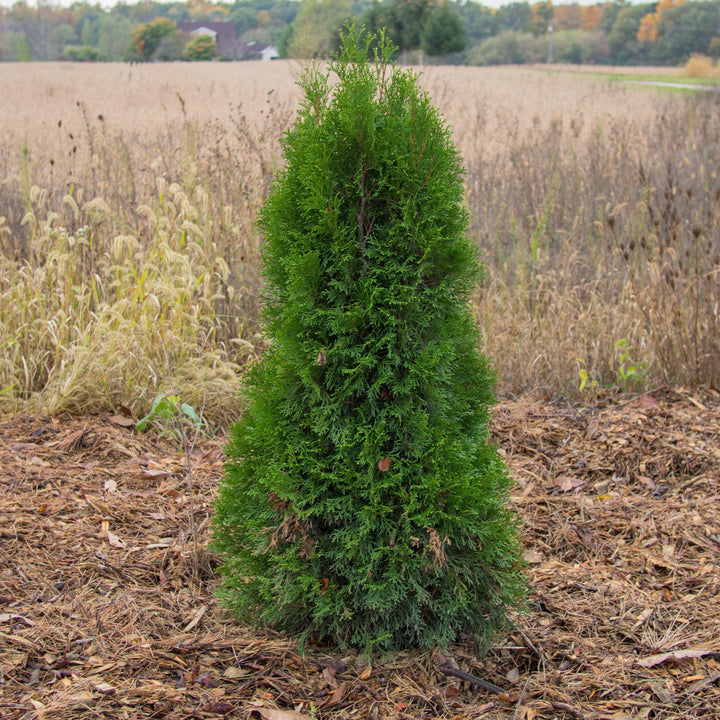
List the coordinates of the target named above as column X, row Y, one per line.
column 701, row 66
column 129, row 259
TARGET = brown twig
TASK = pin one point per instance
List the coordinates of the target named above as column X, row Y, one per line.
column 569, row 709
column 467, row 677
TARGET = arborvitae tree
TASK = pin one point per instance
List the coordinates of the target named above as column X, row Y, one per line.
column 444, row 33
column 362, row 503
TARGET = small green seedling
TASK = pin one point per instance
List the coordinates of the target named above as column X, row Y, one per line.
column 167, row 410
column 629, row 371
column 586, row 382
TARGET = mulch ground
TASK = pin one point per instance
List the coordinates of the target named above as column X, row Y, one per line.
column 107, row 607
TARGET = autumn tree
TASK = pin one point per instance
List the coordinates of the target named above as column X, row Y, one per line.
column 201, row 47
column 648, row 30
column 147, row 37
column 687, row 28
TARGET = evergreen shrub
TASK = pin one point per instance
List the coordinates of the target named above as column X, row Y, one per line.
column 362, row 503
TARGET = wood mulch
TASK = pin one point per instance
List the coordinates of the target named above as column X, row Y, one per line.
column 107, row 607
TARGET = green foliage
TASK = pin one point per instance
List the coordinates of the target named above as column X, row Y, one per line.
column 686, row 29
column 480, row 22
column 403, row 21
column 622, row 39
column 23, row 50
column 629, row 371
column 443, row 33
column 114, row 37
column 147, row 37
column 362, row 502
column 167, row 414
column 515, row 16
column 316, row 26
column 60, row 37
column 201, row 47
column 83, row 53
column 578, row 46
column 43, row 32
column 508, row 48
column 587, row 383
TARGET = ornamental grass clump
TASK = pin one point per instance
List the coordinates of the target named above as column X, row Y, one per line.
column 362, row 503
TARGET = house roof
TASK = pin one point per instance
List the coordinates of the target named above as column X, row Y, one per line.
column 223, row 32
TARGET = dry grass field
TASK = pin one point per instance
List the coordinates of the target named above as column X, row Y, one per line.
column 129, row 259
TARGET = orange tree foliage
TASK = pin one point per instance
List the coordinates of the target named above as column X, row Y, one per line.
column 569, row 17
column 147, row 37
column 648, row 30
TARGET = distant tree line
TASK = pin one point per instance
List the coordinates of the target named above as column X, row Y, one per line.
column 620, row 33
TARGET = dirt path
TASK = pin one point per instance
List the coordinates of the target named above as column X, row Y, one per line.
column 106, row 608
column 675, row 85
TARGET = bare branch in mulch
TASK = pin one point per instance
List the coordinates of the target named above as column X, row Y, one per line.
column 107, row 612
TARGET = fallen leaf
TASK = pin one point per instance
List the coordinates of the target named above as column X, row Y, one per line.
column 329, row 676
column 207, row 679
column 513, row 676
column 155, row 546
column 384, row 464
column 653, row 660
column 155, row 473
column 104, row 688
column 221, row 707
column 703, row 682
column 169, row 492
column 114, row 540
column 336, row 696
column 533, row 557
column 270, row 714
column 567, row 483
column 9, row 617
column 17, row 659
column 22, row 446
column 83, row 698
column 196, row 619
column 527, row 712
column 592, row 430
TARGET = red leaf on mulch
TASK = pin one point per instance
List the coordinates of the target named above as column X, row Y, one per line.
column 218, row 708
